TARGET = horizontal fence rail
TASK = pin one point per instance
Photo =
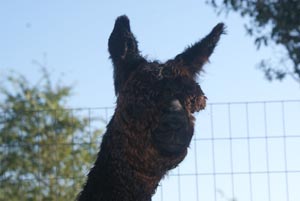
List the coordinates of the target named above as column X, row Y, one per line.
column 243, row 151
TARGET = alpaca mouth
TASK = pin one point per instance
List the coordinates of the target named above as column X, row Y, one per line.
column 173, row 149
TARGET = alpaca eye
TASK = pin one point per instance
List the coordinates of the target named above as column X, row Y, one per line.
column 175, row 105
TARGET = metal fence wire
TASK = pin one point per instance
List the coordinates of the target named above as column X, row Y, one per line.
column 247, row 151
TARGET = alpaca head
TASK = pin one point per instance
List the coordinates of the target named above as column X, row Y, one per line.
column 124, row 52
column 152, row 95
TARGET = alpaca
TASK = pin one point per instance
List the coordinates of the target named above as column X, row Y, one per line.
column 153, row 122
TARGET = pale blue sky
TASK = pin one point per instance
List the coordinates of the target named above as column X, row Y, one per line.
column 74, row 36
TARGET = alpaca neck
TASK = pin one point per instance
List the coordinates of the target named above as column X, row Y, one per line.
column 106, row 182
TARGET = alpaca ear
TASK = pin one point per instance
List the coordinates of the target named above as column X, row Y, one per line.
column 123, row 49
column 195, row 56
column 122, row 44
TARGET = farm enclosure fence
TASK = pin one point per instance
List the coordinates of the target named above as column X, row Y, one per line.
column 247, row 151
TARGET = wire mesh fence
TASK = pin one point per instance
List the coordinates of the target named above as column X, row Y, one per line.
column 241, row 151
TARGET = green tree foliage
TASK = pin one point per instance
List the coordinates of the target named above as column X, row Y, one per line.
column 275, row 21
column 45, row 149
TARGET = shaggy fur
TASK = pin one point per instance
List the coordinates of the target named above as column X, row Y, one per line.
column 153, row 124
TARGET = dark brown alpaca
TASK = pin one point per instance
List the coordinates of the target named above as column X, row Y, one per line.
column 153, row 122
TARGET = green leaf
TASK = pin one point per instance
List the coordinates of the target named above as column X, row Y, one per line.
column 40, row 160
